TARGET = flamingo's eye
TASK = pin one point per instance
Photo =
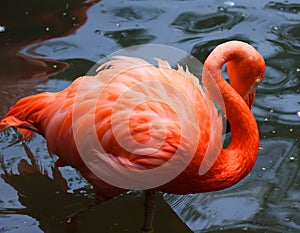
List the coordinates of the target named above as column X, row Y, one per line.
column 258, row 80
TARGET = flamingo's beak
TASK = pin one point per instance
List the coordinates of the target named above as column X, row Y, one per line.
column 250, row 99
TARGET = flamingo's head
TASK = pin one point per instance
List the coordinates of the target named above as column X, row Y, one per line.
column 246, row 72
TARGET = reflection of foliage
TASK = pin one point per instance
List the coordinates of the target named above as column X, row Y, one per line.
column 48, row 201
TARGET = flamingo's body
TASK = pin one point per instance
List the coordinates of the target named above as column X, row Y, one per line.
column 52, row 114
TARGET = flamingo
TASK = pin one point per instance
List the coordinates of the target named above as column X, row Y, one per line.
column 139, row 115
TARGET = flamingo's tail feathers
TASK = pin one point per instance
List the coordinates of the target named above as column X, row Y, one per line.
column 23, row 127
column 27, row 114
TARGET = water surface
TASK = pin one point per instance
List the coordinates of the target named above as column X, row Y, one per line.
column 47, row 44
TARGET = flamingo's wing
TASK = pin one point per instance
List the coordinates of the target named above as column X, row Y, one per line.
column 138, row 115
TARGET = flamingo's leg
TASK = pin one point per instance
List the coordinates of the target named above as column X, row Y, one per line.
column 149, row 212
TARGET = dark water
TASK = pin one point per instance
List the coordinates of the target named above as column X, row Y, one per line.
column 46, row 44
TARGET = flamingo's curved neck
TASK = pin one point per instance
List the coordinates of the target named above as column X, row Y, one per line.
column 241, row 154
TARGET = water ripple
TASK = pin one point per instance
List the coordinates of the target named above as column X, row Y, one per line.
column 130, row 37
column 284, row 107
column 262, row 193
column 281, row 75
column 287, row 36
column 140, row 14
column 284, row 7
column 194, row 22
column 7, row 137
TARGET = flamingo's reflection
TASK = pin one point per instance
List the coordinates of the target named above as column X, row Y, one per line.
column 47, row 200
